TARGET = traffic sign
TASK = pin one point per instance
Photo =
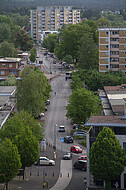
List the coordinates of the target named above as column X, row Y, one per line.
column 61, row 139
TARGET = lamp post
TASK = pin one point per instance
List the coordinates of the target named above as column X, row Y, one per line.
column 54, row 145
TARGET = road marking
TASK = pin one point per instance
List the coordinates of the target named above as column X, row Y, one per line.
column 65, row 175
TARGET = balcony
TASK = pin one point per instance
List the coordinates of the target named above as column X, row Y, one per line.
column 114, row 36
column 114, row 42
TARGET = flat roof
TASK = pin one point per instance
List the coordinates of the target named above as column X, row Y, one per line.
column 107, row 120
column 7, row 90
column 9, row 59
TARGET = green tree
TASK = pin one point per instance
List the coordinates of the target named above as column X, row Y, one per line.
column 28, row 147
column 32, row 56
column 32, row 91
column 9, row 81
column 88, row 53
column 94, row 27
column 8, row 50
column 5, row 32
column 24, row 41
column 68, row 59
column 9, row 161
column 50, row 42
column 70, row 40
column 103, row 22
column 82, row 103
column 15, row 124
column 106, row 157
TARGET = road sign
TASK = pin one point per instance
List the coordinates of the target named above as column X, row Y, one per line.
column 61, row 139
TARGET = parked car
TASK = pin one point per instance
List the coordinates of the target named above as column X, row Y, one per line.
column 47, row 102
column 75, row 149
column 45, row 161
column 79, row 133
column 45, row 53
column 61, row 128
column 80, row 164
column 67, row 156
column 46, row 109
column 68, row 139
column 82, row 157
column 39, row 116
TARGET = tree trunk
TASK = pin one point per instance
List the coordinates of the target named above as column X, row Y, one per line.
column 7, row 186
column 107, row 185
column 23, row 173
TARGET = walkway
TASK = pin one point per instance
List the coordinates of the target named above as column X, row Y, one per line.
column 64, row 176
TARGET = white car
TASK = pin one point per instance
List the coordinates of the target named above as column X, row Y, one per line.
column 45, row 161
column 61, row 128
column 67, row 156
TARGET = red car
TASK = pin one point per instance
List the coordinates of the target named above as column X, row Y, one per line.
column 76, row 149
column 83, row 157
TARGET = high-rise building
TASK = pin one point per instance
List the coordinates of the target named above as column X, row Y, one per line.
column 112, row 49
column 51, row 18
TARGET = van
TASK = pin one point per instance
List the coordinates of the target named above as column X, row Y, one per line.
column 61, row 128
column 81, row 165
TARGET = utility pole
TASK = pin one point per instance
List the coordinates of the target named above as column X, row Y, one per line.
column 54, row 145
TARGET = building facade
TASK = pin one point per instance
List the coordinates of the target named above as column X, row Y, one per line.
column 51, row 18
column 112, row 49
column 10, row 66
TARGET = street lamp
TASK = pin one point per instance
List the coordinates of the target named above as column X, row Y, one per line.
column 54, row 145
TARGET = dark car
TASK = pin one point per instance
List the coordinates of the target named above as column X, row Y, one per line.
column 81, row 165
column 68, row 139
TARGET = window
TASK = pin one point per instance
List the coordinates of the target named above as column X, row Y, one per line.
column 10, row 65
column 106, row 46
column 3, row 65
column 124, row 146
column 106, row 66
column 114, row 66
column 2, row 72
column 107, row 32
column 106, row 59
column 106, row 53
column 125, row 59
column 125, row 52
column 107, row 40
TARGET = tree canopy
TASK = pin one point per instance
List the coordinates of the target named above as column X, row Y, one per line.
column 32, row 91
column 106, row 157
column 50, row 42
column 15, row 124
column 8, row 50
column 28, row 147
column 9, row 161
column 82, row 104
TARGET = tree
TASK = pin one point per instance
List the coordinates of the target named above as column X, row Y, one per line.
column 70, row 39
column 24, row 41
column 15, row 124
column 28, row 147
column 5, row 32
column 32, row 56
column 32, row 91
column 82, row 104
column 50, row 42
column 88, row 53
column 9, row 161
column 68, row 59
column 106, row 157
column 102, row 22
column 8, row 50
column 9, row 81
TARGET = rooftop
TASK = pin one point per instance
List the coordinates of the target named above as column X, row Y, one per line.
column 107, row 120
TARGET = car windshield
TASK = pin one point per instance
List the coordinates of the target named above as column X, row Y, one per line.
column 77, row 147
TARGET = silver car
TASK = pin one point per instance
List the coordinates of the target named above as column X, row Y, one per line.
column 45, row 161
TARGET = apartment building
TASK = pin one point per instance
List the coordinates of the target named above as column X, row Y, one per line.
column 51, row 18
column 112, row 49
column 10, row 66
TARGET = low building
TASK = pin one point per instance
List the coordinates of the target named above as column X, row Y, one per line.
column 10, row 66
column 7, row 102
column 114, row 116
